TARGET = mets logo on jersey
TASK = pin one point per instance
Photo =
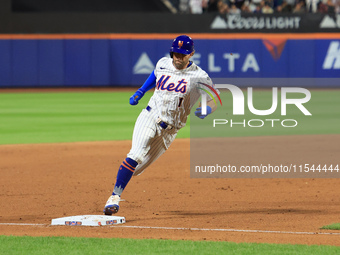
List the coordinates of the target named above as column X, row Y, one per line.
column 180, row 44
column 163, row 84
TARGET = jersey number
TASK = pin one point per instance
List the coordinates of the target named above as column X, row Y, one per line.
column 180, row 102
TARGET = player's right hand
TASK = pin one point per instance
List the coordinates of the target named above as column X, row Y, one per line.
column 136, row 97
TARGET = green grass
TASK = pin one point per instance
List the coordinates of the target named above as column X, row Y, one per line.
column 104, row 116
column 72, row 245
column 335, row 226
column 68, row 117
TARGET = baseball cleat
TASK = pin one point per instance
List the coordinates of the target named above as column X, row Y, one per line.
column 112, row 205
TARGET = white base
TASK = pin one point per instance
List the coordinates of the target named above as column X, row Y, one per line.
column 89, row 220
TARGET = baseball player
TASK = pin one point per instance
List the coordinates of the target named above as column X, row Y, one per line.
column 175, row 80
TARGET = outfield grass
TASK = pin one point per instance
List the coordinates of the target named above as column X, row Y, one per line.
column 72, row 245
column 103, row 116
column 67, row 117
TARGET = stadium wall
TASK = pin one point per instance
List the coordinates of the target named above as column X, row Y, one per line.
column 128, row 59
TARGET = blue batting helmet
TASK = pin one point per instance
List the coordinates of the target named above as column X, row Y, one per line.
column 182, row 44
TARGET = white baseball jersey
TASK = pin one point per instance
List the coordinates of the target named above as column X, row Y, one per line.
column 176, row 91
column 175, row 94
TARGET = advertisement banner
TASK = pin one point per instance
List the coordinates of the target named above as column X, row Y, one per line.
column 110, row 62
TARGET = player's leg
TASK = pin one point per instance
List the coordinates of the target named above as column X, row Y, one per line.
column 124, row 175
column 158, row 146
column 144, row 131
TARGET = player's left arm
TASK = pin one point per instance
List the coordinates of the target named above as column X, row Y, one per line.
column 211, row 107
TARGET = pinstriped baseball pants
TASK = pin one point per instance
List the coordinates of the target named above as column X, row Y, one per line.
column 149, row 140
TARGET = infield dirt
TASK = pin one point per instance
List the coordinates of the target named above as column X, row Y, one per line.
column 40, row 182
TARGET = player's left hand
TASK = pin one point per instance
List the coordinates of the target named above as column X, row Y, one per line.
column 136, row 97
column 199, row 110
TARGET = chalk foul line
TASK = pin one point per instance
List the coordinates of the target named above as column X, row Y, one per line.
column 231, row 230
column 194, row 229
column 23, row 224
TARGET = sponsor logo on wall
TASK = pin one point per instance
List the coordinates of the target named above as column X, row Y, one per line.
column 275, row 47
column 143, row 65
column 332, row 59
column 330, row 22
column 228, row 62
column 256, row 22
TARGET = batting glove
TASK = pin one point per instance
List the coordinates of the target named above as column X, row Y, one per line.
column 136, row 97
column 199, row 114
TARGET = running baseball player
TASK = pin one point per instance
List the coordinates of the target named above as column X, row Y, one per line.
column 175, row 80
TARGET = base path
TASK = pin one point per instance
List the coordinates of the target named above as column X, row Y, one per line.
column 41, row 182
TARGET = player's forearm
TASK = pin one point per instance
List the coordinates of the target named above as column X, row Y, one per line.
column 212, row 105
